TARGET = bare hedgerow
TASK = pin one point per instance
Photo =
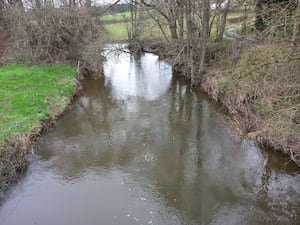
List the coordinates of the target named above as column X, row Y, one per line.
column 263, row 90
column 57, row 34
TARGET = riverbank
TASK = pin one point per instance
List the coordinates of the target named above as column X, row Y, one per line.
column 258, row 85
column 261, row 91
column 31, row 99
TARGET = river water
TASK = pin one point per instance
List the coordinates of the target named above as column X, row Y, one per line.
column 141, row 147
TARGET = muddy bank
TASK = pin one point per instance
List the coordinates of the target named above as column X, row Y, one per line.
column 257, row 85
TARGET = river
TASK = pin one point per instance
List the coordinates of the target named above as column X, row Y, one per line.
column 140, row 146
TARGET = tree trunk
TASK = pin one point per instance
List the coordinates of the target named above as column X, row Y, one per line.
column 88, row 3
column 259, row 22
column 18, row 3
column 244, row 24
column 72, row 3
column 160, row 26
column 37, row 4
column 204, row 35
column 173, row 30
column 130, row 31
column 189, row 39
column 296, row 31
column 222, row 25
column 180, row 10
column 2, row 5
column 136, row 23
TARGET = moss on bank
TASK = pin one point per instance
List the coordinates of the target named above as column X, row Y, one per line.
column 262, row 91
column 30, row 97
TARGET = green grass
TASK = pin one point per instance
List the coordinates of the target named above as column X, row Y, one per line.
column 118, row 31
column 29, row 95
column 116, row 16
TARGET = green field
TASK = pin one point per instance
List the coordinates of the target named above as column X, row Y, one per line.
column 116, row 16
column 29, row 95
column 119, row 30
column 118, row 24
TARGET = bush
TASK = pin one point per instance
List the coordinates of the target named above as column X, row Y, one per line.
column 52, row 34
column 264, row 89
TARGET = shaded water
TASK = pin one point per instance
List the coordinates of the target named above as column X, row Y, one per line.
column 140, row 147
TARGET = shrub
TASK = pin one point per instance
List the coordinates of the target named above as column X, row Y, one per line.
column 56, row 34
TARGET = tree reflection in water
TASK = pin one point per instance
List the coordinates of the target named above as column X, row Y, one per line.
column 141, row 128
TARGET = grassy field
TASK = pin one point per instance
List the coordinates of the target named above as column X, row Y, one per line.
column 116, row 16
column 119, row 30
column 29, row 95
column 118, row 23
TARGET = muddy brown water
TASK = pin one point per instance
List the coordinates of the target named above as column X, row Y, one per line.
column 141, row 147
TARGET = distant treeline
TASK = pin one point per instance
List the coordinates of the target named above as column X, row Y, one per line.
column 119, row 8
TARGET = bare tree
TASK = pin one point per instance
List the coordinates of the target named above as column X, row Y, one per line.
column 88, row 3
column 247, row 6
column 17, row 3
column 296, row 31
column 167, row 10
column 222, row 13
column 204, row 34
column 2, row 9
column 134, row 29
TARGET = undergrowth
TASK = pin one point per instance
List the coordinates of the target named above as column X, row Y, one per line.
column 263, row 90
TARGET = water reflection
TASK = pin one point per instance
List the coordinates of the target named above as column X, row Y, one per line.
column 129, row 76
column 141, row 147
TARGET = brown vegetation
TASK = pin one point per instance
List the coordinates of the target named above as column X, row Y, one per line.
column 52, row 35
column 3, row 40
column 3, row 35
column 262, row 92
column 13, row 161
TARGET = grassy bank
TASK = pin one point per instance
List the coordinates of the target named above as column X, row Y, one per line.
column 262, row 91
column 29, row 96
